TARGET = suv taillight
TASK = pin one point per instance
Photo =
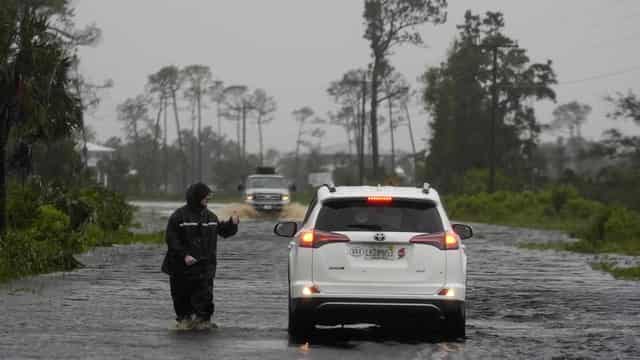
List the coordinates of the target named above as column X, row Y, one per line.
column 443, row 241
column 315, row 238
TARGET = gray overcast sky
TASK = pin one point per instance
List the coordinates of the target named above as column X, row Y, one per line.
column 294, row 48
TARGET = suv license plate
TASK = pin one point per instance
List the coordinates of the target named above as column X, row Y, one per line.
column 267, row 207
column 373, row 252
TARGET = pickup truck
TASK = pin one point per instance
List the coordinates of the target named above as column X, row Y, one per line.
column 266, row 192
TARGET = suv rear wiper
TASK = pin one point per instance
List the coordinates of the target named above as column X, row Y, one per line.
column 366, row 226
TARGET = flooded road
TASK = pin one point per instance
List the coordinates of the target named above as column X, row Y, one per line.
column 521, row 304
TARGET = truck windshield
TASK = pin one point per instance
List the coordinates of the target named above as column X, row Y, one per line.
column 399, row 216
column 266, row 182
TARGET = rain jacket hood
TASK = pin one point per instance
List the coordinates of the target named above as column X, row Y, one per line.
column 195, row 194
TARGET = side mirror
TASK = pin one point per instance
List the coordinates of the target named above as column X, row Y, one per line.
column 286, row 229
column 292, row 187
column 464, row 231
column 241, row 187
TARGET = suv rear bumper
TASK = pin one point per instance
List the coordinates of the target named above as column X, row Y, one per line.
column 332, row 311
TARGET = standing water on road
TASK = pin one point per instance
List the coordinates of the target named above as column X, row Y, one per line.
column 521, row 304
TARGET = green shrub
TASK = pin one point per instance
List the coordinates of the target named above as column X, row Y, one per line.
column 48, row 244
column 623, row 225
column 582, row 208
column 560, row 195
column 92, row 235
column 110, row 210
column 22, row 205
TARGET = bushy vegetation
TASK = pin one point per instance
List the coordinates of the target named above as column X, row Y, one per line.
column 600, row 227
column 48, row 223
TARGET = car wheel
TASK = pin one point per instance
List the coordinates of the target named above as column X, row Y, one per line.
column 455, row 322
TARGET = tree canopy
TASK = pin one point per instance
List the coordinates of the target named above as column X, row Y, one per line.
column 458, row 96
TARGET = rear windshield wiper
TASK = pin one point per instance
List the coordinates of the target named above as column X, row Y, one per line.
column 366, row 226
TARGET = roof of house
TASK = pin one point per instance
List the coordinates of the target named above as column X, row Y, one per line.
column 98, row 148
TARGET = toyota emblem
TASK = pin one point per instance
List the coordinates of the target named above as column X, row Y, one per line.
column 379, row 237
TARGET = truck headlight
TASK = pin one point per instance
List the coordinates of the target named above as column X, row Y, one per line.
column 285, row 197
column 249, row 197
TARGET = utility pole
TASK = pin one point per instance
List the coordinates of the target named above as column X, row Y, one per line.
column 413, row 144
column 495, row 48
column 362, row 127
column 244, row 131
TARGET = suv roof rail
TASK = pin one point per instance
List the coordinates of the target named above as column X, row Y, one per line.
column 331, row 187
column 426, row 187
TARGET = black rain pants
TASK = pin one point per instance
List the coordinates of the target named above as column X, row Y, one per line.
column 192, row 296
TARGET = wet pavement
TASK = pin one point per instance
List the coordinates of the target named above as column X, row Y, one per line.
column 521, row 304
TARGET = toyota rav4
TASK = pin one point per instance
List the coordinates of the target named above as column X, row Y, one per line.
column 376, row 254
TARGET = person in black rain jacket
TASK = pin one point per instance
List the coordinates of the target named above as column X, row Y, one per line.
column 192, row 239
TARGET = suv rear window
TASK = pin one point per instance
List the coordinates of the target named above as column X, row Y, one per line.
column 398, row 216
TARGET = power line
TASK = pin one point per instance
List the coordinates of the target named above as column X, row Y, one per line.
column 601, row 76
column 577, row 81
column 609, row 42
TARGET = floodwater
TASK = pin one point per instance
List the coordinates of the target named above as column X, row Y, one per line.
column 521, row 304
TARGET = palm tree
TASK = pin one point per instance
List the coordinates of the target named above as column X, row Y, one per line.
column 133, row 112
column 264, row 105
column 217, row 96
column 238, row 103
column 300, row 116
column 198, row 79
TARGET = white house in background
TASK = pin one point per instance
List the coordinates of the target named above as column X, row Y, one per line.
column 95, row 153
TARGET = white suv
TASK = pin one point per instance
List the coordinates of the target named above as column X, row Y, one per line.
column 376, row 254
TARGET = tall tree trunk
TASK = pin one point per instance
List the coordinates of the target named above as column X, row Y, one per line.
column 218, row 148
column 194, row 167
column 349, row 144
column 136, row 143
column 218, row 118
column 199, row 99
column 297, row 164
column 154, row 149
column 238, row 122
column 244, row 133
column 260, row 138
column 363, row 121
column 393, row 143
column 182, row 152
column 374, row 116
column 356, row 128
column 166, row 151
column 413, row 143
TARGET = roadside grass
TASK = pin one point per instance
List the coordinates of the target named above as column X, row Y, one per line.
column 628, row 273
column 600, row 228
